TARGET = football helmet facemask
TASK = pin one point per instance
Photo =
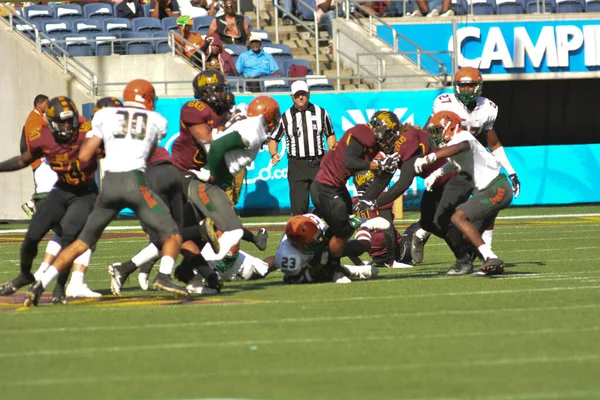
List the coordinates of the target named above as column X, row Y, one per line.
column 442, row 126
column 304, row 234
column 386, row 126
column 107, row 102
column 267, row 107
column 468, row 84
column 63, row 118
column 212, row 88
column 140, row 93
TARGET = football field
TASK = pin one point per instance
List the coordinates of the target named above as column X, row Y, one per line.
column 532, row 333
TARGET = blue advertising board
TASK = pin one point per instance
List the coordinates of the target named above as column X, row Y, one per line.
column 515, row 47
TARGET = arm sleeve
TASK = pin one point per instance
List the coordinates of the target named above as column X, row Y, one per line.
column 377, row 186
column 23, row 144
column 327, row 125
column 218, row 148
column 500, row 155
column 352, row 158
column 278, row 133
column 407, row 174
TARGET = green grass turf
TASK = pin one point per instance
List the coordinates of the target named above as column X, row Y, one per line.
column 407, row 334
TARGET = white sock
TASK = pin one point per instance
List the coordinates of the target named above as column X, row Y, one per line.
column 422, row 234
column 147, row 254
column 166, row 265
column 43, row 267
column 48, row 276
column 84, row 259
column 53, row 247
column 487, row 236
column 486, row 251
column 76, row 278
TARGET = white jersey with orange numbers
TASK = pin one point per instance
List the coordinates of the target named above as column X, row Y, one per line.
column 253, row 131
column 481, row 119
column 477, row 162
column 129, row 134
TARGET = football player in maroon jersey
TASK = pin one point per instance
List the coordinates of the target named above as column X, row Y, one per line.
column 70, row 201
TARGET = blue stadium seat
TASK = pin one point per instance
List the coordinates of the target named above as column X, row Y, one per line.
column 57, row 26
column 264, row 36
column 28, row 28
column 569, row 6
column 161, row 46
column 169, row 23
column 287, row 64
column 146, row 24
column 117, row 25
column 319, row 82
column 77, row 45
column 87, row 25
column 275, row 85
column 236, row 83
column 138, row 43
column 102, row 46
column 38, row 12
column 280, row 53
column 510, row 7
column 202, row 22
column 531, row 6
column 68, row 11
column 592, row 5
column 98, row 10
column 483, row 7
column 147, row 8
column 235, row 49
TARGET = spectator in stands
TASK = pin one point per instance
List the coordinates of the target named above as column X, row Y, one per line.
column 217, row 8
column 166, row 8
column 425, row 10
column 256, row 63
column 194, row 8
column 216, row 58
column 188, row 43
column 232, row 28
column 129, row 9
column 325, row 14
column 290, row 6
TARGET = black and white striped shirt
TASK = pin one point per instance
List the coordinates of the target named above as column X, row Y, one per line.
column 304, row 131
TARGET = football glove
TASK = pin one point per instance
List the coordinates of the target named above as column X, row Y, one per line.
column 422, row 162
column 430, row 181
column 388, row 164
column 203, row 174
column 364, row 205
column 516, row 185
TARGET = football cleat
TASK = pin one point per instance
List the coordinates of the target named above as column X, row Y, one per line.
column 361, row 271
column 32, row 296
column 460, row 269
column 207, row 229
column 214, row 281
column 117, row 278
column 377, row 223
column 493, row 266
column 198, row 286
column 260, row 239
column 15, row 284
column 81, row 290
column 398, row 264
column 164, row 282
column 417, row 247
column 58, row 295
column 339, row 277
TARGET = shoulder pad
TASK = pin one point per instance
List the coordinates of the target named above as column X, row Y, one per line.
column 364, row 135
column 85, row 126
column 195, row 112
column 410, row 142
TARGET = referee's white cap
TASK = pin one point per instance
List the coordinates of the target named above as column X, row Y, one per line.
column 299, row 86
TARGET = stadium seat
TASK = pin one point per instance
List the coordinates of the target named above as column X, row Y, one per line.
column 264, row 36
column 68, row 11
column 510, row 7
column 235, row 49
column 57, row 26
column 146, row 24
column 460, row 7
column 87, row 25
column 161, row 46
column 592, row 6
column 482, row 7
column 147, row 8
column 138, row 43
column 37, row 12
column 77, row 45
column 98, row 10
column 103, row 44
column 532, row 6
column 236, row 83
column 286, row 65
column 169, row 23
column 117, row 25
column 280, row 53
column 318, row 82
column 202, row 22
column 275, row 85
column 28, row 28
column 569, row 6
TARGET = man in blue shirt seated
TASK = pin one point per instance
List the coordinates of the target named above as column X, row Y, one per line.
column 255, row 63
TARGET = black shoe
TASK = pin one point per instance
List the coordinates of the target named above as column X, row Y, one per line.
column 32, row 296
column 214, row 281
column 58, row 295
column 16, row 283
column 164, row 282
column 198, row 285
column 184, row 272
column 461, row 269
column 416, row 249
column 118, row 276
column 493, row 266
column 207, row 229
column 260, row 239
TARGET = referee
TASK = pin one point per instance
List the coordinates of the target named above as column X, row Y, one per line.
column 304, row 125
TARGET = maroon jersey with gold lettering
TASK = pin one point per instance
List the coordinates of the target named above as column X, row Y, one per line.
column 185, row 154
column 160, row 155
column 332, row 172
column 410, row 142
column 63, row 157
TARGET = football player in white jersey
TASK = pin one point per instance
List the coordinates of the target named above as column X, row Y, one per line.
column 130, row 136
column 479, row 114
column 492, row 191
